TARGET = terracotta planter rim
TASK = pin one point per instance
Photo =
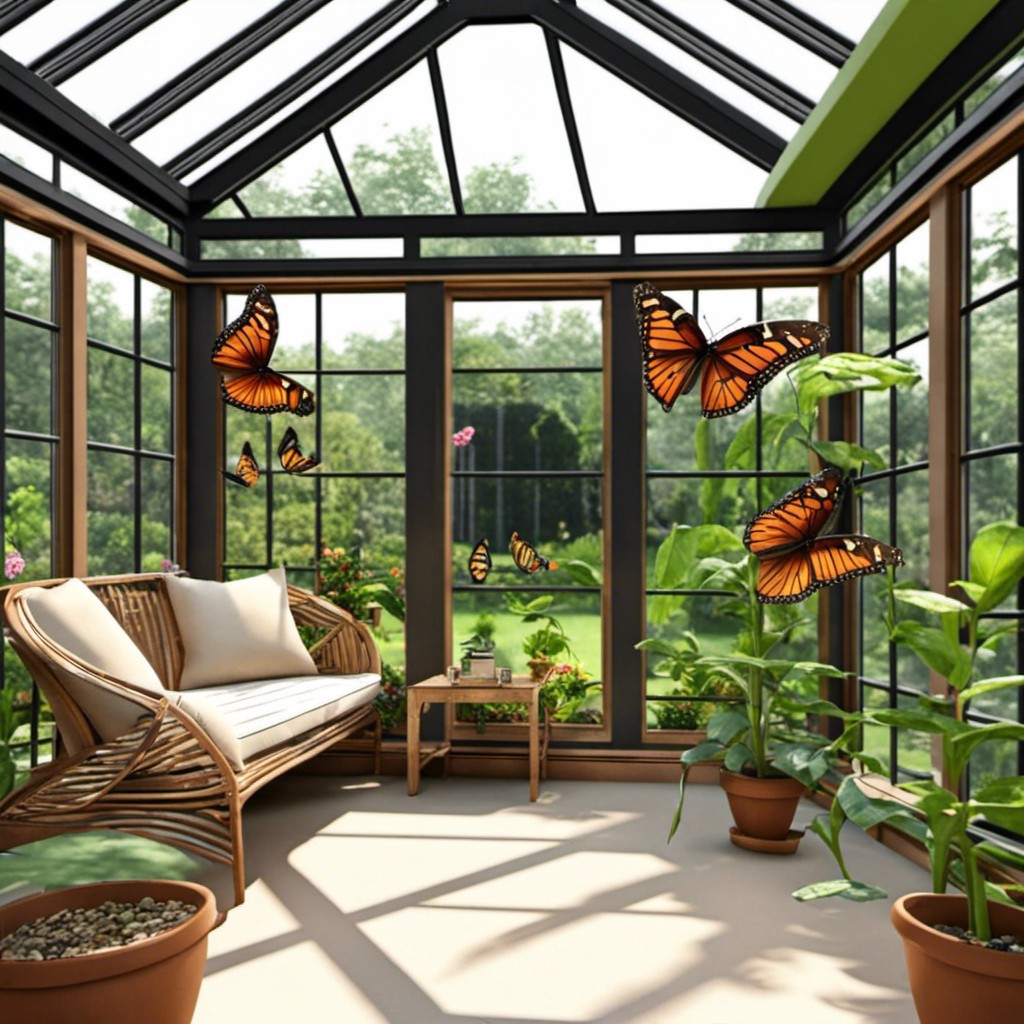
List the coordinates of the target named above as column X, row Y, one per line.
column 751, row 785
column 24, row 974
column 913, row 916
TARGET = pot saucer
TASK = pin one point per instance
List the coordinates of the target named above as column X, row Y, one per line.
column 787, row 845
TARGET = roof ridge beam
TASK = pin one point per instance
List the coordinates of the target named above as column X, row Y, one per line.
column 821, row 39
column 98, row 38
column 661, row 82
column 14, row 12
column 290, row 89
column 738, row 70
column 212, row 67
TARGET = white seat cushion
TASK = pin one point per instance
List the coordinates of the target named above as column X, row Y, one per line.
column 237, row 631
column 75, row 618
column 267, row 712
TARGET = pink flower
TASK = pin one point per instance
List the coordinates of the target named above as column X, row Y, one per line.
column 14, row 564
column 462, row 437
column 562, row 669
column 166, row 565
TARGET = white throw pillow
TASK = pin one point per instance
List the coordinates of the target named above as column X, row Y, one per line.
column 236, row 631
column 75, row 618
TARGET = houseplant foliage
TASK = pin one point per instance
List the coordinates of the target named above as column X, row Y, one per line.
column 956, row 646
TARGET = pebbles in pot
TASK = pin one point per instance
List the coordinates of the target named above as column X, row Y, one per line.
column 79, row 931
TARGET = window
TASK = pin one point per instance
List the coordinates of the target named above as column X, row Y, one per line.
column 131, row 421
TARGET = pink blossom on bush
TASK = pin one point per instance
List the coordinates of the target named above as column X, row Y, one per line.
column 462, row 437
column 166, row 565
column 14, row 564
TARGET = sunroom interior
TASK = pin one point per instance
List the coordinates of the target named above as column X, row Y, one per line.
column 447, row 248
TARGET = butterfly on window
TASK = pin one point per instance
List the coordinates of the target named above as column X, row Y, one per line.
column 247, row 472
column 290, row 454
column 795, row 558
column 524, row 554
column 242, row 353
column 480, row 561
column 732, row 370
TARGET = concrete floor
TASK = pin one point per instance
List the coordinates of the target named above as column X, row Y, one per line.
column 468, row 904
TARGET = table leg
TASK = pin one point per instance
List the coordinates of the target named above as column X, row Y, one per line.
column 412, row 735
column 534, row 744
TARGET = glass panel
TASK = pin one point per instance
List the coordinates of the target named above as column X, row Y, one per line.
column 875, row 297
column 563, row 332
column 1001, row 662
column 868, row 200
column 913, row 749
column 990, row 761
column 875, row 737
column 876, row 424
column 157, row 504
column 990, row 84
column 368, row 514
column 725, row 309
column 724, row 89
column 363, row 423
column 578, row 614
column 157, row 396
column 145, row 61
column 303, row 184
column 245, row 512
column 994, row 394
column 111, row 304
column 670, row 436
column 912, row 529
column 992, row 487
column 75, row 183
column 29, row 505
column 521, row 245
column 56, row 21
column 529, row 420
column 754, row 241
column 391, row 148
column 111, row 513
column 925, row 145
column 874, row 641
column 111, row 411
column 557, row 516
column 296, row 342
column 364, row 331
column 28, row 271
column 28, row 363
column 156, row 330
column 16, row 148
column 912, row 407
column 294, row 507
column 300, row 248
column 994, row 229
column 693, row 171
column 912, row 283
column 507, row 129
column 852, row 17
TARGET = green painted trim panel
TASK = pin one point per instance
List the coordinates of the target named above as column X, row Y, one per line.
column 905, row 44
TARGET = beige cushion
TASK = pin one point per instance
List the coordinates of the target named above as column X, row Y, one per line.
column 75, row 618
column 236, row 631
column 265, row 713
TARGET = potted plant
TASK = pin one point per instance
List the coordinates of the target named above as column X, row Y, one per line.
column 478, row 648
column 545, row 643
column 952, row 958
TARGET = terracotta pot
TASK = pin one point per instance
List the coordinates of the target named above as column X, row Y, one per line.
column 952, row 980
column 762, row 808
column 155, row 980
column 539, row 668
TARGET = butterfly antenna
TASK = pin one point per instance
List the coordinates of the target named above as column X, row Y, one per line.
column 714, row 334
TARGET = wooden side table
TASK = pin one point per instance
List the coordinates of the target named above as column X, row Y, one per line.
column 437, row 690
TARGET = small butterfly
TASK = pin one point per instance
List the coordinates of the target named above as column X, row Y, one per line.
column 290, row 454
column 247, row 472
column 242, row 353
column 524, row 554
column 795, row 559
column 480, row 561
column 732, row 370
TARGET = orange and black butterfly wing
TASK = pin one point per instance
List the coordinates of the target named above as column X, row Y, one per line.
column 247, row 472
column 242, row 353
column 740, row 364
column 674, row 346
column 524, row 554
column 820, row 563
column 266, row 391
column 480, row 561
column 290, row 454
column 799, row 516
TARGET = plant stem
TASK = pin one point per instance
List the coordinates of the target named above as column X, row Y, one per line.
column 974, row 886
column 755, row 682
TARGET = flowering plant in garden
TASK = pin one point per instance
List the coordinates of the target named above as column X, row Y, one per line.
column 565, row 688
column 462, row 437
column 390, row 703
column 166, row 565
column 346, row 582
column 14, row 564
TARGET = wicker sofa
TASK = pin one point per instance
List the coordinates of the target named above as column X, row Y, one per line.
column 141, row 754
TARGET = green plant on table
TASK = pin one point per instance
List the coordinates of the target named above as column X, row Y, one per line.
column 481, row 640
column 956, row 648
column 550, row 639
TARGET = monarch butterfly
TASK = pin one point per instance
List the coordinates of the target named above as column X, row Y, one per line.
column 732, row 370
column 290, row 454
column 480, row 561
column 247, row 472
column 524, row 554
column 242, row 352
column 795, row 560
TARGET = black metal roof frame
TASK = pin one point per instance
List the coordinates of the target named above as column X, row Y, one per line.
column 37, row 109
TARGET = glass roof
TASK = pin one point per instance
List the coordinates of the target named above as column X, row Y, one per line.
column 200, row 88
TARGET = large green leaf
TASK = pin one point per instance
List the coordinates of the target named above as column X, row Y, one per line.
column 708, row 750
column 849, row 889
column 1011, row 818
column 685, row 546
column 843, row 372
column 997, row 562
column 739, row 755
column 1007, row 790
column 802, row 762
column 661, row 607
column 933, row 646
column 919, row 719
column 929, row 600
column 582, row 573
column 726, row 725
column 845, row 455
column 867, row 811
column 771, row 429
column 800, row 705
column 983, row 686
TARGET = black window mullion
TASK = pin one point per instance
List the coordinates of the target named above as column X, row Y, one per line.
column 137, row 458
column 1020, row 435
column 444, row 125
column 318, row 437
